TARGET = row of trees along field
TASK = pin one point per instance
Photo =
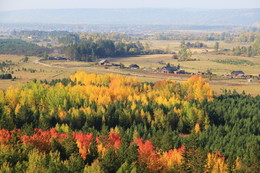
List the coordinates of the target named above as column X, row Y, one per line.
column 111, row 123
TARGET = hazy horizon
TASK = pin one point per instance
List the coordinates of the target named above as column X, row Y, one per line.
column 127, row 8
column 13, row 5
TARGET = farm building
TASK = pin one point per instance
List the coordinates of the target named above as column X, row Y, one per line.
column 237, row 73
column 168, row 69
column 134, row 66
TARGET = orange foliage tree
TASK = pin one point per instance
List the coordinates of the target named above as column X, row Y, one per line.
column 148, row 156
column 5, row 137
column 42, row 139
column 105, row 142
column 83, row 143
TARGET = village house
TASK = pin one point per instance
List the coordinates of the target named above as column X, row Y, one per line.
column 237, row 73
column 134, row 66
column 168, row 69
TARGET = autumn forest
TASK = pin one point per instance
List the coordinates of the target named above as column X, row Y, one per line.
column 111, row 123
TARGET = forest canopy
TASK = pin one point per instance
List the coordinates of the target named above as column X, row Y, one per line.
column 113, row 123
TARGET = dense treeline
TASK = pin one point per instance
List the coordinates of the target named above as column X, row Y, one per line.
column 112, row 123
column 224, row 36
column 20, row 47
column 89, row 49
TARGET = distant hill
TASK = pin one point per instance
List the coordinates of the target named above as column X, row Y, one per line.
column 135, row 16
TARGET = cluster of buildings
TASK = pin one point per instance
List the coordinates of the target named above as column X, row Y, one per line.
column 168, row 69
column 242, row 75
column 106, row 63
column 165, row 69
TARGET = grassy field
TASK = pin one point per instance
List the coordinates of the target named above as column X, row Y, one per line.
column 60, row 69
column 253, row 89
column 42, row 72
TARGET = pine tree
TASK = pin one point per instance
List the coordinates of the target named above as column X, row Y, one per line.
column 110, row 162
column 194, row 159
column 132, row 154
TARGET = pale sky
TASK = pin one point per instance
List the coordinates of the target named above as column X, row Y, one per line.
column 7, row 5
